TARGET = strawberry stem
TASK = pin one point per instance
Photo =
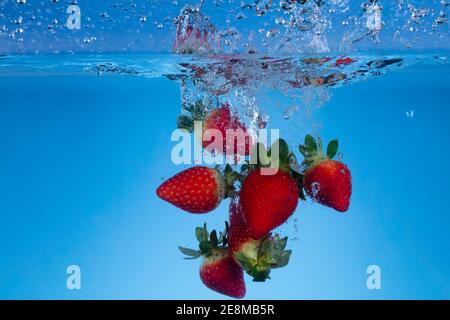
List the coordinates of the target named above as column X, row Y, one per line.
column 207, row 242
column 271, row 254
column 312, row 150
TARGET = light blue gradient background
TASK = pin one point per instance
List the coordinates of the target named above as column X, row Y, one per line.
column 81, row 157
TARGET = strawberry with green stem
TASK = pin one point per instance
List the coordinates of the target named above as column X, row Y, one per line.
column 326, row 181
column 257, row 257
column 269, row 196
column 219, row 271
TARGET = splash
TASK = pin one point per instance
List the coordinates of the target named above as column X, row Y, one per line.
column 236, row 72
column 252, row 85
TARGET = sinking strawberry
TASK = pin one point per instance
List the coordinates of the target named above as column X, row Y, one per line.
column 268, row 200
column 326, row 181
column 219, row 271
column 257, row 257
column 220, row 123
column 195, row 190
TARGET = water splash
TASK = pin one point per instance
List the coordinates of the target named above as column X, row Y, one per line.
column 236, row 26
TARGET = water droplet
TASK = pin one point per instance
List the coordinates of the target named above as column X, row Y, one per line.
column 315, row 188
column 410, row 114
column 280, row 20
column 19, row 20
column 272, row 33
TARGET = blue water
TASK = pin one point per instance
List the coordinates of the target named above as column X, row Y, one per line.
column 82, row 156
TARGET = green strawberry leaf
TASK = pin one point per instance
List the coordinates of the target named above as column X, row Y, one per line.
column 246, row 263
column 301, row 193
column 310, row 144
column 185, row 122
column 279, row 244
column 283, row 154
column 260, row 275
column 213, row 238
column 303, row 150
column 191, row 253
column 205, row 247
column 265, row 245
column 201, row 233
column 259, row 155
column 225, row 234
column 283, row 259
column 332, row 149
column 298, row 177
column 283, row 147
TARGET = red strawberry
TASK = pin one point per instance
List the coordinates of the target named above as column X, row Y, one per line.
column 239, row 239
column 236, row 138
column 257, row 257
column 222, row 120
column 219, row 271
column 326, row 181
column 195, row 190
column 268, row 201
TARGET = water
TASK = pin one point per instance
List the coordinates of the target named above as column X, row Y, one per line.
column 86, row 119
column 83, row 154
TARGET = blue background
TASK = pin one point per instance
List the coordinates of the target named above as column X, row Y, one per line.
column 81, row 157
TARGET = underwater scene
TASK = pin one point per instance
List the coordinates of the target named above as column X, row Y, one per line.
column 212, row 149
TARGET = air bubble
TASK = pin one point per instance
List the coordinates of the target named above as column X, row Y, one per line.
column 272, row 33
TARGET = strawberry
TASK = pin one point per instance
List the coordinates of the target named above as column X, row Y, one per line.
column 238, row 237
column 326, row 181
column 343, row 61
column 219, row 271
column 257, row 257
column 268, row 201
column 236, row 138
column 195, row 190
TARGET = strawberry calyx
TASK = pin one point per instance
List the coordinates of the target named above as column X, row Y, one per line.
column 312, row 150
column 260, row 157
column 208, row 243
column 195, row 112
column 231, row 177
column 258, row 258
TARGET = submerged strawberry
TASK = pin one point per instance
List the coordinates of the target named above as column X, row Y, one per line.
column 219, row 123
column 326, row 181
column 236, row 138
column 268, row 201
column 219, row 271
column 257, row 257
column 195, row 190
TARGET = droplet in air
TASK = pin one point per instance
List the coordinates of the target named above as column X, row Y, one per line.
column 410, row 114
